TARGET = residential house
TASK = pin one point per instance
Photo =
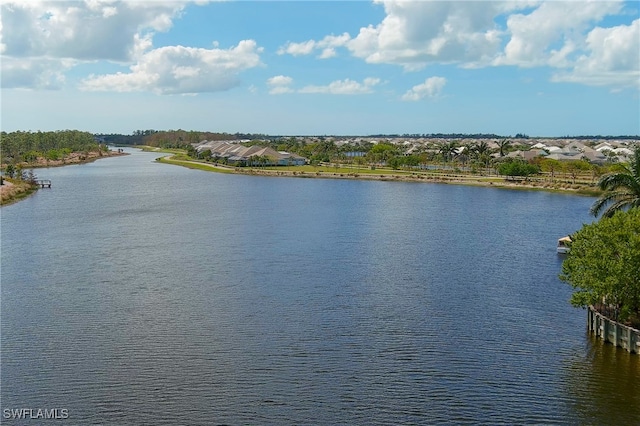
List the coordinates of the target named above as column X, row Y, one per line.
column 237, row 154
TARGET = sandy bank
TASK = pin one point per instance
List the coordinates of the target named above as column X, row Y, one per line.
column 12, row 191
column 73, row 158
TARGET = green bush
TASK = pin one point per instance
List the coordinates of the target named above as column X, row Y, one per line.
column 517, row 168
column 604, row 264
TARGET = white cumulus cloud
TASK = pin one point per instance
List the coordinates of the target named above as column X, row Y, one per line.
column 431, row 88
column 296, row 49
column 534, row 37
column 48, row 74
column 415, row 34
column 327, row 46
column 178, row 69
column 41, row 41
column 344, row 87
column 82, row 30
column 280, row 84
column 562, row 35
column 612, row 58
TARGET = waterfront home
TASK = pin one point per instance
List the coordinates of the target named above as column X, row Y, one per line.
column 240, row 155
column 527, row 155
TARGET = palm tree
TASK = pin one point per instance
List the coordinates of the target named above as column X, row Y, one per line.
column 465, row 154
column 448, row 150
column 481, row 148
column 482, row 153
column 622, row 188
column 503, row 145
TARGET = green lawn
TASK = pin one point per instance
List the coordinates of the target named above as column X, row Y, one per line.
column 156, row 149
column 538, row 182
column 183, row 160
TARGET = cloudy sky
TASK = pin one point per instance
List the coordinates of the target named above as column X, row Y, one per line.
column 544, row 68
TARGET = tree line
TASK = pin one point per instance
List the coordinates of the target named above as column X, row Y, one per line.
column 165, row 138
column 18, row 147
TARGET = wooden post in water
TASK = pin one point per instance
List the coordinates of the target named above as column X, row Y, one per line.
column 605, row 329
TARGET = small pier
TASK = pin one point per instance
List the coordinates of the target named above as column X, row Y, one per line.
column 613, row 332
column 43, row 183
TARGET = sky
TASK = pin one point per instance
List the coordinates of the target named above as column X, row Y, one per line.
column 542, row 68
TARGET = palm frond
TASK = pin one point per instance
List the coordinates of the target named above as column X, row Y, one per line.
column 622, row 188
column 615, row 207
column 615, row 200
column 614, row 181
column 602, row 202
column 635, row 162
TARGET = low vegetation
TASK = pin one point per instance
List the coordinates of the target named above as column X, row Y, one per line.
column 518, row 168
column 13, row 190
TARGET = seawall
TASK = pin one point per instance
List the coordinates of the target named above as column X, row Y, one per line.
column 613, row 332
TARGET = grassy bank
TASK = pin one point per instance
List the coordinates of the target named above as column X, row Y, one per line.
column 180, row 160
column 388, row 174
column 147, row 148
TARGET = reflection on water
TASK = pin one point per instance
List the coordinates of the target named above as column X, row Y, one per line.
column 603, row 384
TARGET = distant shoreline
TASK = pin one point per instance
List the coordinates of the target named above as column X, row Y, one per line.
column 388, row 176
column 71, row 159
column 14, row 190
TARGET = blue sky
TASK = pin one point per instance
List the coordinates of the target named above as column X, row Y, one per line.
column 544, row 68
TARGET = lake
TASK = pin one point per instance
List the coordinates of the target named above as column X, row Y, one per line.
column 135, row 292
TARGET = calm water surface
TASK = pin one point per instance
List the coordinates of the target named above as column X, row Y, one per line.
column 140, row 293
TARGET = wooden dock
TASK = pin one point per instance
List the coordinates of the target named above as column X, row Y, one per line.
column 43, row 183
